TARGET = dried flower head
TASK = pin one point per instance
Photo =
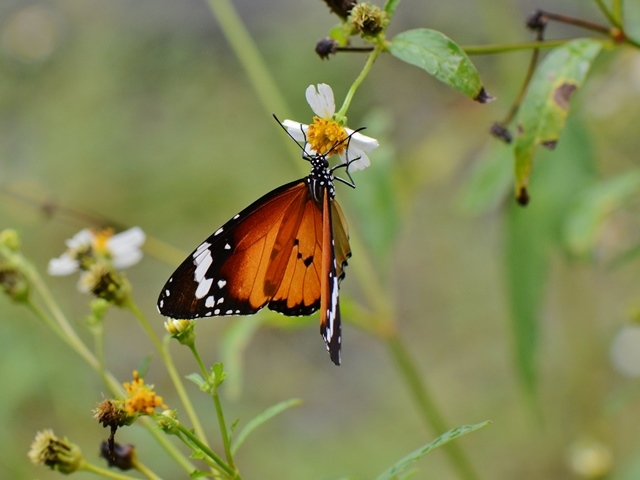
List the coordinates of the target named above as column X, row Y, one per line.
column 123, row 457
column 57, row 454
column 368, row 20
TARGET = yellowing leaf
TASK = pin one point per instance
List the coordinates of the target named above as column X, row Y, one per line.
column 544, row 110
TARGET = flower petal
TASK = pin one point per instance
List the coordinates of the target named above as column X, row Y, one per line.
column 321, row 100
column 361, row 142
column 125, row 247
column 297, row 130
column 63, row 265
column 358, row 160
column 81, row 239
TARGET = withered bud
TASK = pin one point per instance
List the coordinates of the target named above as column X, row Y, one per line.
column 121, row 456
column 501, row 132
column 325, row 47
column 537, row 21
column 368, row 20
column 342, row 8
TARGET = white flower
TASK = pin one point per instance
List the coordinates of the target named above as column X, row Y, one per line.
column 122, row 250
column 325, row 135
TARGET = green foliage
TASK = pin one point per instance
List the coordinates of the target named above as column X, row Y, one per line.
column 394, row 472
column 439, row 56
column 262, row 418
column 531, row 236
column 593, row 208
column 543, row 112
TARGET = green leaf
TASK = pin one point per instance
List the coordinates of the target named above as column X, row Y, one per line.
column 632, row 20
column 196, row 378
column 532, row 234
column 592, row 209
column 265, row 416
column 233, row 345
column 199, row 474
column 397, row 468
column 543, row 112
column 390, row 7
column 143, row 368
column 441, row 57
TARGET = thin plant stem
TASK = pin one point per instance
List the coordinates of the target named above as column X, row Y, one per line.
column 113, row 385
column 356, row 83
column 144, row 470
column 613, row 18
column 223, row 427
column 106, row 473
column 577, row 22
column 218, row 407
column 171, row 369
column 514, row 47
column 219, row 461
column 246, row 50
column 427, row 406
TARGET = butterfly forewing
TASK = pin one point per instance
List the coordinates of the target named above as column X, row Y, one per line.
column 225, row 274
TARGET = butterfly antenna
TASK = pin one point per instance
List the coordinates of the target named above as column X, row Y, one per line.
column 305, row 155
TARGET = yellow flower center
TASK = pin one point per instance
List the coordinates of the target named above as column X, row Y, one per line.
column 326, row 135
column 100, row 240
column 142, row 398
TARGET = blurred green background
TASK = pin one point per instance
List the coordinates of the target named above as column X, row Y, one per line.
column 139, row 112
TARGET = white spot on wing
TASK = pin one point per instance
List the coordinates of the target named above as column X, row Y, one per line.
column 221, row 283
column 203, row 265
column 216, row 311
column 167, row 292
column 227, row 246
column 219, row 231
column 235, row 216
column 203, row 288
column 210, row 302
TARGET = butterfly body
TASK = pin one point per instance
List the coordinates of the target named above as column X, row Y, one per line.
column 286, row 251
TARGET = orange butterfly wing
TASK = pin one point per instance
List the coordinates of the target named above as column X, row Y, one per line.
column 287, row 250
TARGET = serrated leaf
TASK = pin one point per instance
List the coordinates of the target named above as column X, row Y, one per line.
column 441, row 57
column 401, row 465
column 592, row 209
column 263, row 417
column 543, row 112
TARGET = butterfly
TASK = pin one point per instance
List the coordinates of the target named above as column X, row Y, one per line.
column 287, row 250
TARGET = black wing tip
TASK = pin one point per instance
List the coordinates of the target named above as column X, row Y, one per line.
column 335, row 356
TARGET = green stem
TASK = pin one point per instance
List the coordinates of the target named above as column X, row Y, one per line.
column 223, row 427
column 427, row 406
column 340, row 116
column 171, row 369
column 196, row 354
column 106, row 473
column 612, row 17
column 217, row 404
column 246, row 50
column 112, row 384
column 513, row 47
column 143, row 469
column 205, row 449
